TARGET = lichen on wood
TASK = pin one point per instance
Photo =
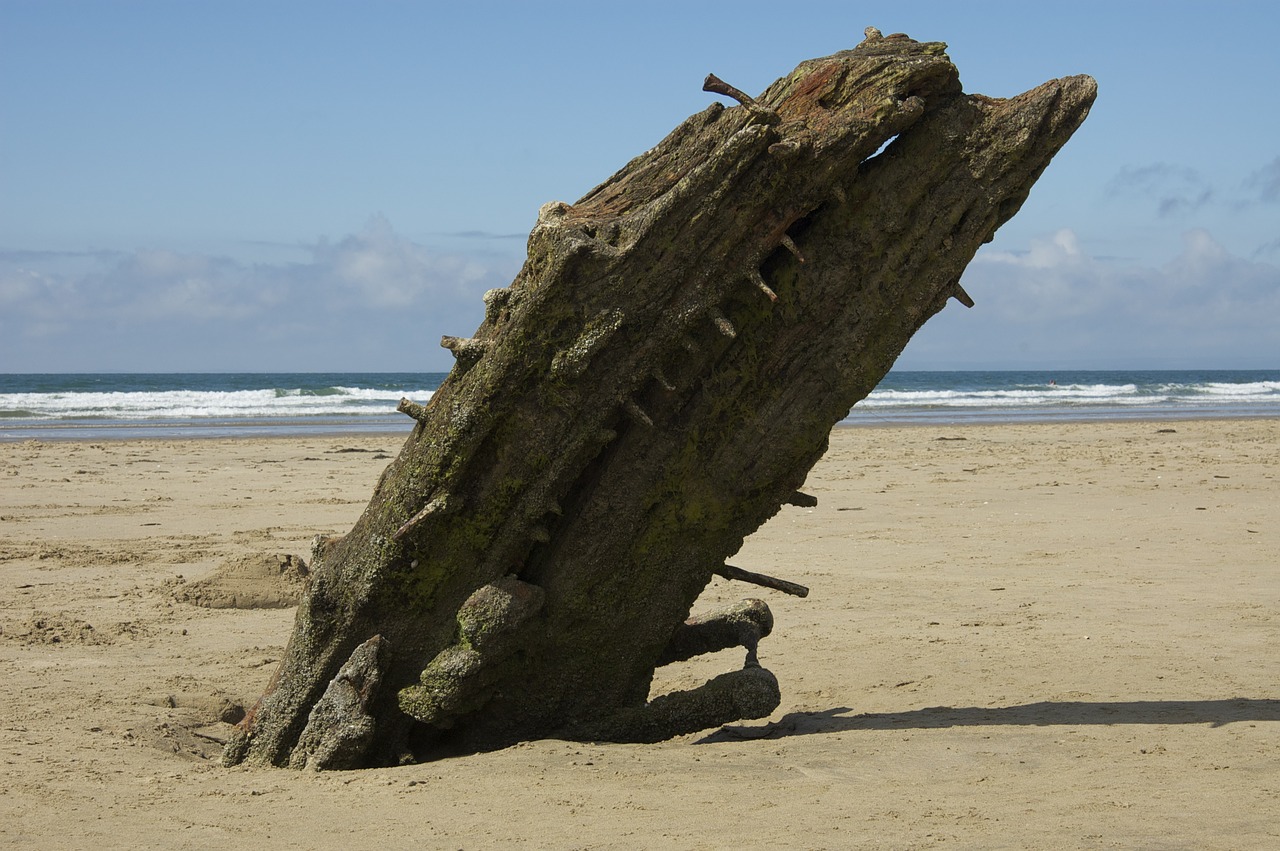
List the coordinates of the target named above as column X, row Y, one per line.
column 655, row 383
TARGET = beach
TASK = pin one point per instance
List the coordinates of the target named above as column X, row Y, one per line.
column 1030, row 635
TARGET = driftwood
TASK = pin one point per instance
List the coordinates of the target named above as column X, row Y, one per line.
column 656, row 382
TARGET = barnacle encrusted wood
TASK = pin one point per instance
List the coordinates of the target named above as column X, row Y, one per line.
column 656, row 382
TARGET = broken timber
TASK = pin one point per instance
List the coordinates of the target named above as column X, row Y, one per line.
column 656, row 382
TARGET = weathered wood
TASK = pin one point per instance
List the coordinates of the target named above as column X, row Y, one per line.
column 633, row 378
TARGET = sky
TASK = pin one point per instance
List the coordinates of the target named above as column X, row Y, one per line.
column 330, row 186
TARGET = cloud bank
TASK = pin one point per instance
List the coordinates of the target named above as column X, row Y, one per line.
column 376, row 301
column 369, row 301
column 1055, row 305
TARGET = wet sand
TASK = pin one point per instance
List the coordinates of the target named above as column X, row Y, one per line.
column 1018, row 636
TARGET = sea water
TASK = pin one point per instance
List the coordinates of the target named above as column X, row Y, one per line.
column 1017, row 396
column 102, row 406
column 126, row 405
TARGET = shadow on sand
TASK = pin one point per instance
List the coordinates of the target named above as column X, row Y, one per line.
column 1215, row 713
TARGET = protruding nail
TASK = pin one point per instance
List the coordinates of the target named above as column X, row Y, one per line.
column 413, row 409
column 494, row 301
column 758, row 280
column 439, row 505
column 636, row 412
column 723, row 325
column 795, row 589
column 720, row 87
column 790, row 244
column 463, row 346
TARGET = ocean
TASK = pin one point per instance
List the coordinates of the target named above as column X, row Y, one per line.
column 120, row 405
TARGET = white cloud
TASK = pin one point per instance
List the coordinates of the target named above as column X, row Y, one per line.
column 349, row 295
column 388, row 271
column 19, row 286
column 1045, row 279
column 1056, row 304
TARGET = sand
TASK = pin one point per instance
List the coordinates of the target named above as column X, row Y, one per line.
column 1018, row 636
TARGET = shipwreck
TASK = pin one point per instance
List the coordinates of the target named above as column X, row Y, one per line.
column 654, row 384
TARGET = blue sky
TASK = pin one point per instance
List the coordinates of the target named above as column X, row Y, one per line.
column 270, row 186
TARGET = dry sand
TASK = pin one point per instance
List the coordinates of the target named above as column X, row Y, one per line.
column 1029, row 636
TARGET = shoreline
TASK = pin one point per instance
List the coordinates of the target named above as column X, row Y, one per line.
column 127, row 406
column 267, row 429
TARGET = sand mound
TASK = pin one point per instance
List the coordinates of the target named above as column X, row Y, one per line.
column 272, row 581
